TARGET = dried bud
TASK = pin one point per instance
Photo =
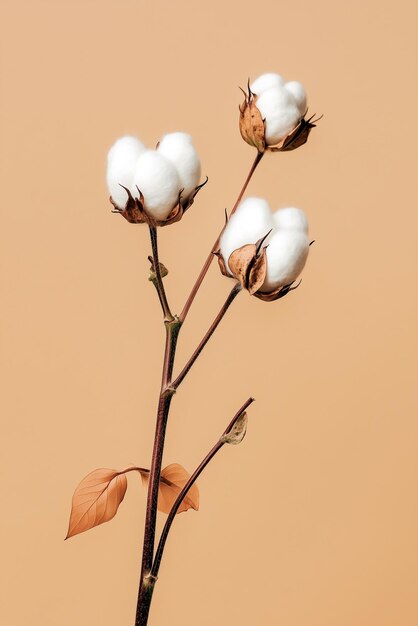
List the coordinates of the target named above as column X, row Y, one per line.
column 153, row 274
column 153, row 186
column 268, row 266
column 272, row 116
column 237, row 432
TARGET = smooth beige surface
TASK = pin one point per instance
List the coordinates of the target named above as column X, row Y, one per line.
column 312, row 521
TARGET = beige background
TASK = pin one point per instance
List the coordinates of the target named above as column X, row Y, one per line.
column 312, row 521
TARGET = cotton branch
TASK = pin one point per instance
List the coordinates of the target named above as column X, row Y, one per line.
column 209, row 260
column 231, row 297
column 228, row 436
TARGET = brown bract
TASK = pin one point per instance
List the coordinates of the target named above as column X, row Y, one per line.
column 297, row 137
column 252, row 127
column 248, row 265
column 280, row 292
column 251, row 124
column 135, row 212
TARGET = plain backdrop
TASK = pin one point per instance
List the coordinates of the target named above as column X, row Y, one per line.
column 312, row 520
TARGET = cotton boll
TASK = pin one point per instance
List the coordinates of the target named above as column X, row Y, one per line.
column 298, row 92
column 290, row 219
column 266, row 81
column 121, row 164
column 251, row 221
column 286, row 257
column 158, row 180
column 179, row 149
column 278, row 107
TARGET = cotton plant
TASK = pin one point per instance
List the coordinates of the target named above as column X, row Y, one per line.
column 261, row 251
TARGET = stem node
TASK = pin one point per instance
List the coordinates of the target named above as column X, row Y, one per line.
column 150, row 579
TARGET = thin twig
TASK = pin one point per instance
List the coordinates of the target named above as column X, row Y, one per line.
column 209, row 260
column 231, row 297
column 164, row 535
column 158, row 281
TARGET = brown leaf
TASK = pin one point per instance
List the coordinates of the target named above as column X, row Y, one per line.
column 172, row 480
column 237, row 432
column 96, row 500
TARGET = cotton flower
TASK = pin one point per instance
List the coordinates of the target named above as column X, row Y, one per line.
column 265, row 251
column 155, row 186
column 272, row 115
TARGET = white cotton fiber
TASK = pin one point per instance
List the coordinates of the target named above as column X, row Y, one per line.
column 291, row 219
column 298, row 91
column 121, row 163
column 251, row 221
column 286, row 256
column 278, row 107
column 266, row 81
column 179, row 149
column 158, row 180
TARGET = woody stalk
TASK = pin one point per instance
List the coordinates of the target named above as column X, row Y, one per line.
column 261, row 251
